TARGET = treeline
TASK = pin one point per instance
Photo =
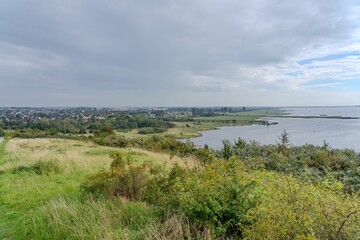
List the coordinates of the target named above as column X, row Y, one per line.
column 74, row 126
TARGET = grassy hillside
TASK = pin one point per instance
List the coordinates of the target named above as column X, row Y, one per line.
column 37, row 171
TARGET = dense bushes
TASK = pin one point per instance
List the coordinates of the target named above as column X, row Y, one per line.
column 225, row 199
column 293, row 210
column 125, row 179
column 217, row 196
column 151, row 130
column 308, row 162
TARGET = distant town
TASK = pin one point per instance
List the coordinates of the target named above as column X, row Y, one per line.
column 86, row 113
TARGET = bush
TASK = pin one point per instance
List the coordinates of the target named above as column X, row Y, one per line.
column 218, row 197
column 112, row 141
column 215, row 197
column 308, row 162
column 104, row 131
column 125, row 179
column 151, row 130
column 293, row 210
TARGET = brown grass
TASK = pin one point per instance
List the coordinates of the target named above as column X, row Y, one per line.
column 74, row 155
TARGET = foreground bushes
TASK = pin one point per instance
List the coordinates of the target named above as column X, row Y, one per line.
column 308, row 162
column 224, row 199
column 216, row 197
column 254, row 197
column 290, row 209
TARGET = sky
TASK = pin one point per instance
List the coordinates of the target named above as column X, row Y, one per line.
column 117, row 53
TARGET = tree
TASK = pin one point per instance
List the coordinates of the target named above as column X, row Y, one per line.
column 284, row 143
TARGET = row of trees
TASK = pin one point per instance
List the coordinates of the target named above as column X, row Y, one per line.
column 121, row 122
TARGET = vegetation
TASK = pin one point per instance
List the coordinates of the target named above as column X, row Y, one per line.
column 2, row 132
column 307, row 163
column 175, row 123
column 24, row 190
column 125, row 176
column 70, row 189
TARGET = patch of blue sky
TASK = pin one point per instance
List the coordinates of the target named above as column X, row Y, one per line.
column 329, row 57
column 339, row 85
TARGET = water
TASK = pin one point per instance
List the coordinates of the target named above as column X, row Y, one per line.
column 339, row 133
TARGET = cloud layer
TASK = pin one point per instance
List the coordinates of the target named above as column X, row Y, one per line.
column 149, row 53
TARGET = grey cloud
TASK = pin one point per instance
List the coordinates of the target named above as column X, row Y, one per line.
column 78, row 48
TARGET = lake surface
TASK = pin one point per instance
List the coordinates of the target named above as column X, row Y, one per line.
column 339, row 133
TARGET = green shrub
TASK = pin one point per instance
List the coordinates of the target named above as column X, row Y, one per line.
column 112, row 141
column 293, row 210
column 126, row 178
column 219, row 197
column 104, row 131
column 151, row 130
column 216, row 196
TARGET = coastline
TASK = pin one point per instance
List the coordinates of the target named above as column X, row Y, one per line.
column 189, row 130
column 338, row 131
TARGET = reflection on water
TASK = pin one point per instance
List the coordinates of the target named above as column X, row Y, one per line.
column 337, row 132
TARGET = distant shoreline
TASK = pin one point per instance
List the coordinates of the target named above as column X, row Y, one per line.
column 310, row 117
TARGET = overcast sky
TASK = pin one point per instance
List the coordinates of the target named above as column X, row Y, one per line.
column 179, row 53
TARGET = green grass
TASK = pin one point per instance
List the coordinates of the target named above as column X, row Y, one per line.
column 76, row 218
column 26, row 194
column 2, row 150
